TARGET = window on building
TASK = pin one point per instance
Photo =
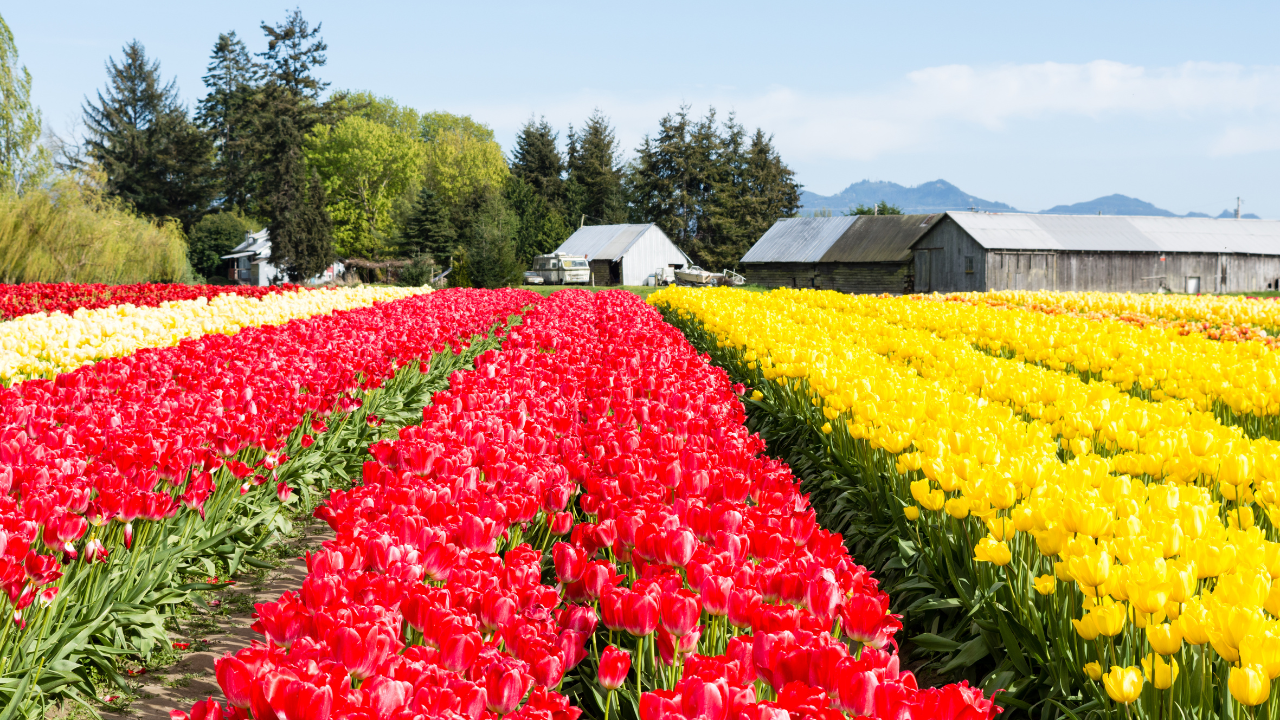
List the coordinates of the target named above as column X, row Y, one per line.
column 968, row 263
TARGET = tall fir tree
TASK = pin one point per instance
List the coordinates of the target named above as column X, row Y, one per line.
column 24, row 161
column 709, row 187
column 488, row 248
column 540, row 228
column 428, row 231
column 538, row 162
column 228, row 113
column 294, row 203
column 154, row 157
column 594, row 187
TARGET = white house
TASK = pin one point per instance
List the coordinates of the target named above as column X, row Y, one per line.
column 251, row 263
column 624, row 254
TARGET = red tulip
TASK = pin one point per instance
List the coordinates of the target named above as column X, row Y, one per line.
column 504, row 689
column 680, row 611
column 458, row 650
column 205, row 710
column 614, row 666
column 639, row 613
column 235, row 679
column 569, row 562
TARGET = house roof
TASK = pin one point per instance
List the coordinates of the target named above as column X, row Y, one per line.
column 258, row 243
column 856, row 238
column 605, row 242
column 1112, row 233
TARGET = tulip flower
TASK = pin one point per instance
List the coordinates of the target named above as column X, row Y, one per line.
column 1160, row 672
column 1123, row 684
column 1093, row 670
column 680, row 611
column 1165, row 639
column 235, row 678
column 1046, row 584
column 614, row 666
column 1249, row 685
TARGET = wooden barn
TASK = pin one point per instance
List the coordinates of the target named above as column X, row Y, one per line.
column 966, row 251
column 624, row 254
column 853, row 254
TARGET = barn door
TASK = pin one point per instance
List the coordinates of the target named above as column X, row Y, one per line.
column 924, row 271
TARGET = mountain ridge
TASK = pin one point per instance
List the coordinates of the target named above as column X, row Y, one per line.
column 940, row 196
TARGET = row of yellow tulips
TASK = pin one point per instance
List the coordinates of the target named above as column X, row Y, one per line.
column 996, row 453
column 1236, row 380
column 1214, row 309
column 42, row 345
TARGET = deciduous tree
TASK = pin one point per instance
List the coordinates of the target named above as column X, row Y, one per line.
column 24, row 161
column 366, row 168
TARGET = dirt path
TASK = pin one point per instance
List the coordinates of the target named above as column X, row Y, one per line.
column 221, row 628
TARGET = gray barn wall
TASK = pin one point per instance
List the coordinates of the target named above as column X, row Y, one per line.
column 1128, row 271
column 940, row 260
column 866, row 278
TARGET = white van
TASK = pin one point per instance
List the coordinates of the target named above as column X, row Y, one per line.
column 562, row 269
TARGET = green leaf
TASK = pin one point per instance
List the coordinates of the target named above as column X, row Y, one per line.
column 935, row 643
column 968, row 654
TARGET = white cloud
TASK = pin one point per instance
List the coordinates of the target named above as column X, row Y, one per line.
column 1239, row 105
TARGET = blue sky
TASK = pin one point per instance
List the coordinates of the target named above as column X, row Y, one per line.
column 1033, row 104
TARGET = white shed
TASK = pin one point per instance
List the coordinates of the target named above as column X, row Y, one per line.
column 250, row 263
column 624, row 254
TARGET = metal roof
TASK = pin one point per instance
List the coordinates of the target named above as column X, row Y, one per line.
column 798, row 239
column 1112, row 233
column 604, row 242
column 880, row 238
column 856, row 238
column 258, row 243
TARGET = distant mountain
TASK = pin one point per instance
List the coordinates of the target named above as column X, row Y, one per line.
column 940, row 195
column 930, row 197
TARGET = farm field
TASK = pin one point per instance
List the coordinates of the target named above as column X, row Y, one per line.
column 540, row 507
column 1073, row 497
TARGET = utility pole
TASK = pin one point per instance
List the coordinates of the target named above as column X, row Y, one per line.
column 582, row 222
column 1237, row 208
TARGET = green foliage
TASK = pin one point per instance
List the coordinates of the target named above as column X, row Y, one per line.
column 227, row 113
column 434, row 125
column 300, row 227
column 461, row 168
column 880, row 208
column 211, row 238
column 488, row 248
column 540, row 228
column 366, row 167
column 154, row 157
column 70, row 232
column 419, row 272
column 713, row 191
column 24, row 161
column 428, row 231
column 537, row 161
column 383, row 110
column 595, row 173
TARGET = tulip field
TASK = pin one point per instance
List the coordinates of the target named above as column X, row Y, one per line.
column 542, row 508
column 1072, row 498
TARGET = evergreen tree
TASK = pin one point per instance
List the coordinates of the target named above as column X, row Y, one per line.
column 537, row 161
column 428, row 231
column 228, row 112
column 300, row 227
column 154, row 157
column 713, row 191
column 595, row 173
column 24, row 161
column 488, row 248
column 539, row 227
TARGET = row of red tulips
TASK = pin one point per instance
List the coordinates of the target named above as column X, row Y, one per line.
column 688, row 569
column 85, row 457
column 66, row 298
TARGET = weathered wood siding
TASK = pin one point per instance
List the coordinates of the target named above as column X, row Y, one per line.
column 1130, row 271
column 947, row 259
column 600, row 272
column 862, row 278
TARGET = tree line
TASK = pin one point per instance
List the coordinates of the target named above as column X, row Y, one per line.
column 345, row 174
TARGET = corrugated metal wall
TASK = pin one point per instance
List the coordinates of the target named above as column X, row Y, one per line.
column 650, row 251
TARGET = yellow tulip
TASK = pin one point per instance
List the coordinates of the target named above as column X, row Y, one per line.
column 1093, row 670
column 957, row 507
column 1001, row 528
column 1086, row 627
column 1159, row 672
column 1046, row 584
column 1249, row 685
column 1123, row 684
column 912, row 512
column 1165, row 639
column 1109, row 618
column 992, row 551
column 1194, row 622
column 1091, row 570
